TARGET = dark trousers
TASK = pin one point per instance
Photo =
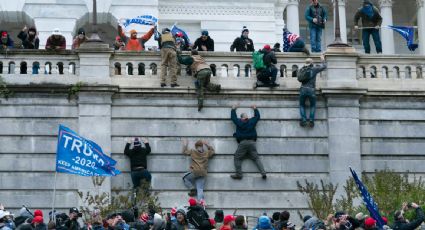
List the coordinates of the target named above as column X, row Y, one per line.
column 376, row 39
column 298, row 46
column 247, row 149
column 268, row 75
column 140, row 175
column 204, row 82
column 310, row 94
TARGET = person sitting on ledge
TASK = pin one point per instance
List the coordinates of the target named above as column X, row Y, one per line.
column 56, row 41
column 6, row 42
column 267, row 76
column 293, row 43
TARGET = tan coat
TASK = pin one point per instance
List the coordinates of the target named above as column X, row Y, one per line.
column 199, row 163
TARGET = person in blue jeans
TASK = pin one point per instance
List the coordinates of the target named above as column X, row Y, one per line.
column 316, row 16
column 371, row 22
column 308, row 91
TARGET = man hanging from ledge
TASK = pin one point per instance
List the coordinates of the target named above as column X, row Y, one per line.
column 246, row 135
column 202, row 72
column 133, row 43
column 138, row 160
column 307, row 76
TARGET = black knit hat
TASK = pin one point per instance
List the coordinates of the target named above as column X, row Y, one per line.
column 245, row 29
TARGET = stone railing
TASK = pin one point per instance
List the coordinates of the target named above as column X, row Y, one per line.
column 232, row 70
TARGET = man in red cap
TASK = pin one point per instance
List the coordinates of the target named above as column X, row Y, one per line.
column 133, row 43
column 197, row 216
column 38, row 222
column 267, row 76
column 5, row 41
column 370, row 224
column 228, row 222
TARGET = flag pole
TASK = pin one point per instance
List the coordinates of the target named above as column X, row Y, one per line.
column 54, row 196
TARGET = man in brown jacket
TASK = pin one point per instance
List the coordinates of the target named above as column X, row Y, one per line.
column 198, row 167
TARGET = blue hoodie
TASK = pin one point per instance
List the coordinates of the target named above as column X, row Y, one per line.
column 245, row 130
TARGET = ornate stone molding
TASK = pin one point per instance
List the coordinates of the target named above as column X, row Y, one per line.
column 215, row 10
column 420, row 3
column 385, row 3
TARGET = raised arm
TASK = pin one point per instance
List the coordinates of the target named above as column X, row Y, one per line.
column 127, row 151
column 185, row 149
column 148, row 35
column 211, row 150
column 147, row 146
column 256, row 117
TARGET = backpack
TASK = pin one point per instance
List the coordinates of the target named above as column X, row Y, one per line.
column 197, row 218
column 257, row 59
column 304, row 74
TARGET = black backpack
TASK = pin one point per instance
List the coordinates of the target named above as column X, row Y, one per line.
column 197, row 218
column 304, row 74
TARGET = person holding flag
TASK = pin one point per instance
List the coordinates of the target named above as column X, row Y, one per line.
column 133, row 43
column 371, row 22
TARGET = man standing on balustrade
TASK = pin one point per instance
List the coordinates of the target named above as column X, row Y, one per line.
column 316, row 16
column 29, row 38
column 202, row 72
column 371, row 22
column 246, row 136
column 133, row 43
column 307, row 76
column 56, row 41
column 243, row 43
column 168, row 57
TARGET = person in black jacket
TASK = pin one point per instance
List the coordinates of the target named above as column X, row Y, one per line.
column 400, row 222
column 267, row 76
column 243, row 43
column 246, row 135
column 138, row 161
column 204, row 43
column 72, row 223
column 29, row 38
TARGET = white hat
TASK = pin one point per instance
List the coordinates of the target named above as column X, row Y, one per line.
column 4, row 213
column 56, row 31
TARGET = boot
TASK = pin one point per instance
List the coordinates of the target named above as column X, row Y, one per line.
column 192, row 193
column 236, row 176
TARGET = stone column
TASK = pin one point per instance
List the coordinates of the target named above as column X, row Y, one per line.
column 342, row 19
column 292, row 16
column 421, row 25
column 387, row 35
column 280, row 23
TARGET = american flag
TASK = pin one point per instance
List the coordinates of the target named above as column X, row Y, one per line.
column 288, row 39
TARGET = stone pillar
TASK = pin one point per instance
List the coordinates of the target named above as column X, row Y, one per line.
column 342, row 94
column 279, row 22
column 95, row 62
column 292, row 16
column 387, row 35
column 342, row 19
column 421, row 25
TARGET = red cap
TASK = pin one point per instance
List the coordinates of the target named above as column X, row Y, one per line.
column 37, row 219
column 228, row 219
column 179, row 34
column 212, row 222
column 144, row 217
column 192, row 201
column 38, row 212
column 369, row 222
column 385, row 219
column 4, row 33
column 173, row 211
column 267, row 47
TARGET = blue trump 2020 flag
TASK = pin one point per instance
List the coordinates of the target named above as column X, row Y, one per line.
column 371, row 206
column 78, row 155
column 141, row 20
column 407, row 32
column 175, row 30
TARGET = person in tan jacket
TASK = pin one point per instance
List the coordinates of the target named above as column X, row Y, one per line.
column 195, row 179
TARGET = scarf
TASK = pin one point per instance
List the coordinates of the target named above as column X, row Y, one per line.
column 368, row 11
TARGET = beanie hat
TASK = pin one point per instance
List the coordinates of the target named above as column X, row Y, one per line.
column 165, row 30
column 245, row 29
column 192, row 201
column 264, row 222
column 369, row 222
column 133, row 31
column 219, row 215
column 204, row 33
column 267, row 47
column 32, row 28
column 38, row 212
column 136, row 142
column 228, row 219
column 37, row 219
column 306, row 218
column 81, row 31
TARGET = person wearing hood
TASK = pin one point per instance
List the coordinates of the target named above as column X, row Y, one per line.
column 246, row 136
column 138, row 160
column 29, row 38
column 133, row 43
column 264, row 223
column 371, row 22
column 267, row 76
column 79, row 39
column 6, row 41
column 204, row 43
column 243, row 43
column 56, row 41
column 195, row 179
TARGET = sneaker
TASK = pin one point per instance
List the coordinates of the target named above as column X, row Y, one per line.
column 274, row 84
column 163, row 85
column 311, row 124
column 305, row 50
column 236, row 176
column 264, row 176
column 175, row 85
column 192, row 192
column 303, row 123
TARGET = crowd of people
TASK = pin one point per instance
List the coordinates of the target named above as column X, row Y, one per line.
column 195, row 216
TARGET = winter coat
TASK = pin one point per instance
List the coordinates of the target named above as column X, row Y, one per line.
column 41, row 226
column 245, row 130
column 199, row 162
column 137, row 44
column 137, row 155
column 191, row 213
column 311, row 83
column 8, row 44
column 209, row 43
column 269, row 58
column 376, row 19
column 316, row 12
column 52, row 42
column 29, row 42
column 241, row 44
column 404, row 225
